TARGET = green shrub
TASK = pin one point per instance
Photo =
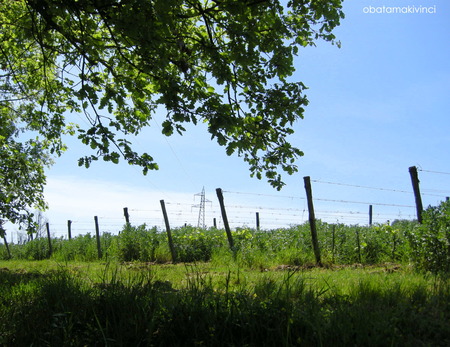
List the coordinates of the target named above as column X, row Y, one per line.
column 82, row 248
column 135, row 243
column 36, row 249
column 430, row 241
column 338, row 243
column 194, row 244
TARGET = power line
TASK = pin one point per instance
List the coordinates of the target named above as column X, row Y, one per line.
column 175, row 155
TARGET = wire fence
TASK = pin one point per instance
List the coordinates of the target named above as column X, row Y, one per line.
column 270, row 211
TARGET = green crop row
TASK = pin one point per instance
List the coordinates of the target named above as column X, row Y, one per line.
column 427, row 245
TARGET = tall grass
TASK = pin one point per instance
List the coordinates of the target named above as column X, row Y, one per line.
column 65, row 309
column 261, row 293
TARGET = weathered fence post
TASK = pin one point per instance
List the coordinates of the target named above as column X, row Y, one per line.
column 370, row 214
column 257, row 221
column 7, row 246
column 225, row 218
column 169, row 233
column 312, row 219
column 69, row 229
column 126, row 215
column 415, row 183
column 97, row 235
column 333, row 241
column 358, row 244
column 3, row 233
column 50, row 250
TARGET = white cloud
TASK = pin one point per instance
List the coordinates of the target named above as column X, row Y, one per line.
column 78, row 199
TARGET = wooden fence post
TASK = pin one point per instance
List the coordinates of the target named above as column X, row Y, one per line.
column 7, row 246
column 126, row 215
column 312, row 219
column 169, row 234
column 69, row 229
column 415, row 183
column 358, row 244
column 370, row 214
column 3, row 233
column 225, row 218
column 50, row 250
column 97, row 235
column 333, row 241
column 257, row 221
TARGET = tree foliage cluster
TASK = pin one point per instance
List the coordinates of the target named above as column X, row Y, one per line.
column 101, row 69
column 22, row 176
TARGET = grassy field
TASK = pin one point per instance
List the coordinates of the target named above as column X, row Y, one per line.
column 48, row 303
column 383, row 285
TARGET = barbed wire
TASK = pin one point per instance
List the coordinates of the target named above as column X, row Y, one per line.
column 436, row 191
column 361, row 186
column 240, row 207
column 239, row 214
column 363, row 203
column 181, row 213
column 436, row 172
column 268, row 195
column 379, row 188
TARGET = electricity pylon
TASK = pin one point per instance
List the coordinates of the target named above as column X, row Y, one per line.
column 201, row 212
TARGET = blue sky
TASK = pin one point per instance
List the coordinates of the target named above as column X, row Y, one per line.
column 378, row 105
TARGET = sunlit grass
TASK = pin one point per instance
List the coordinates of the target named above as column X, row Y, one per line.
column 335, row 279
column 112, row 303
column 373, row 287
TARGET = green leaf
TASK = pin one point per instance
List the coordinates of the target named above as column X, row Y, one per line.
column 111, row 65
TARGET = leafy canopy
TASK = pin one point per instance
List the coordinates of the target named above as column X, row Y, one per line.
column 115, row 62
column 22, row 175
